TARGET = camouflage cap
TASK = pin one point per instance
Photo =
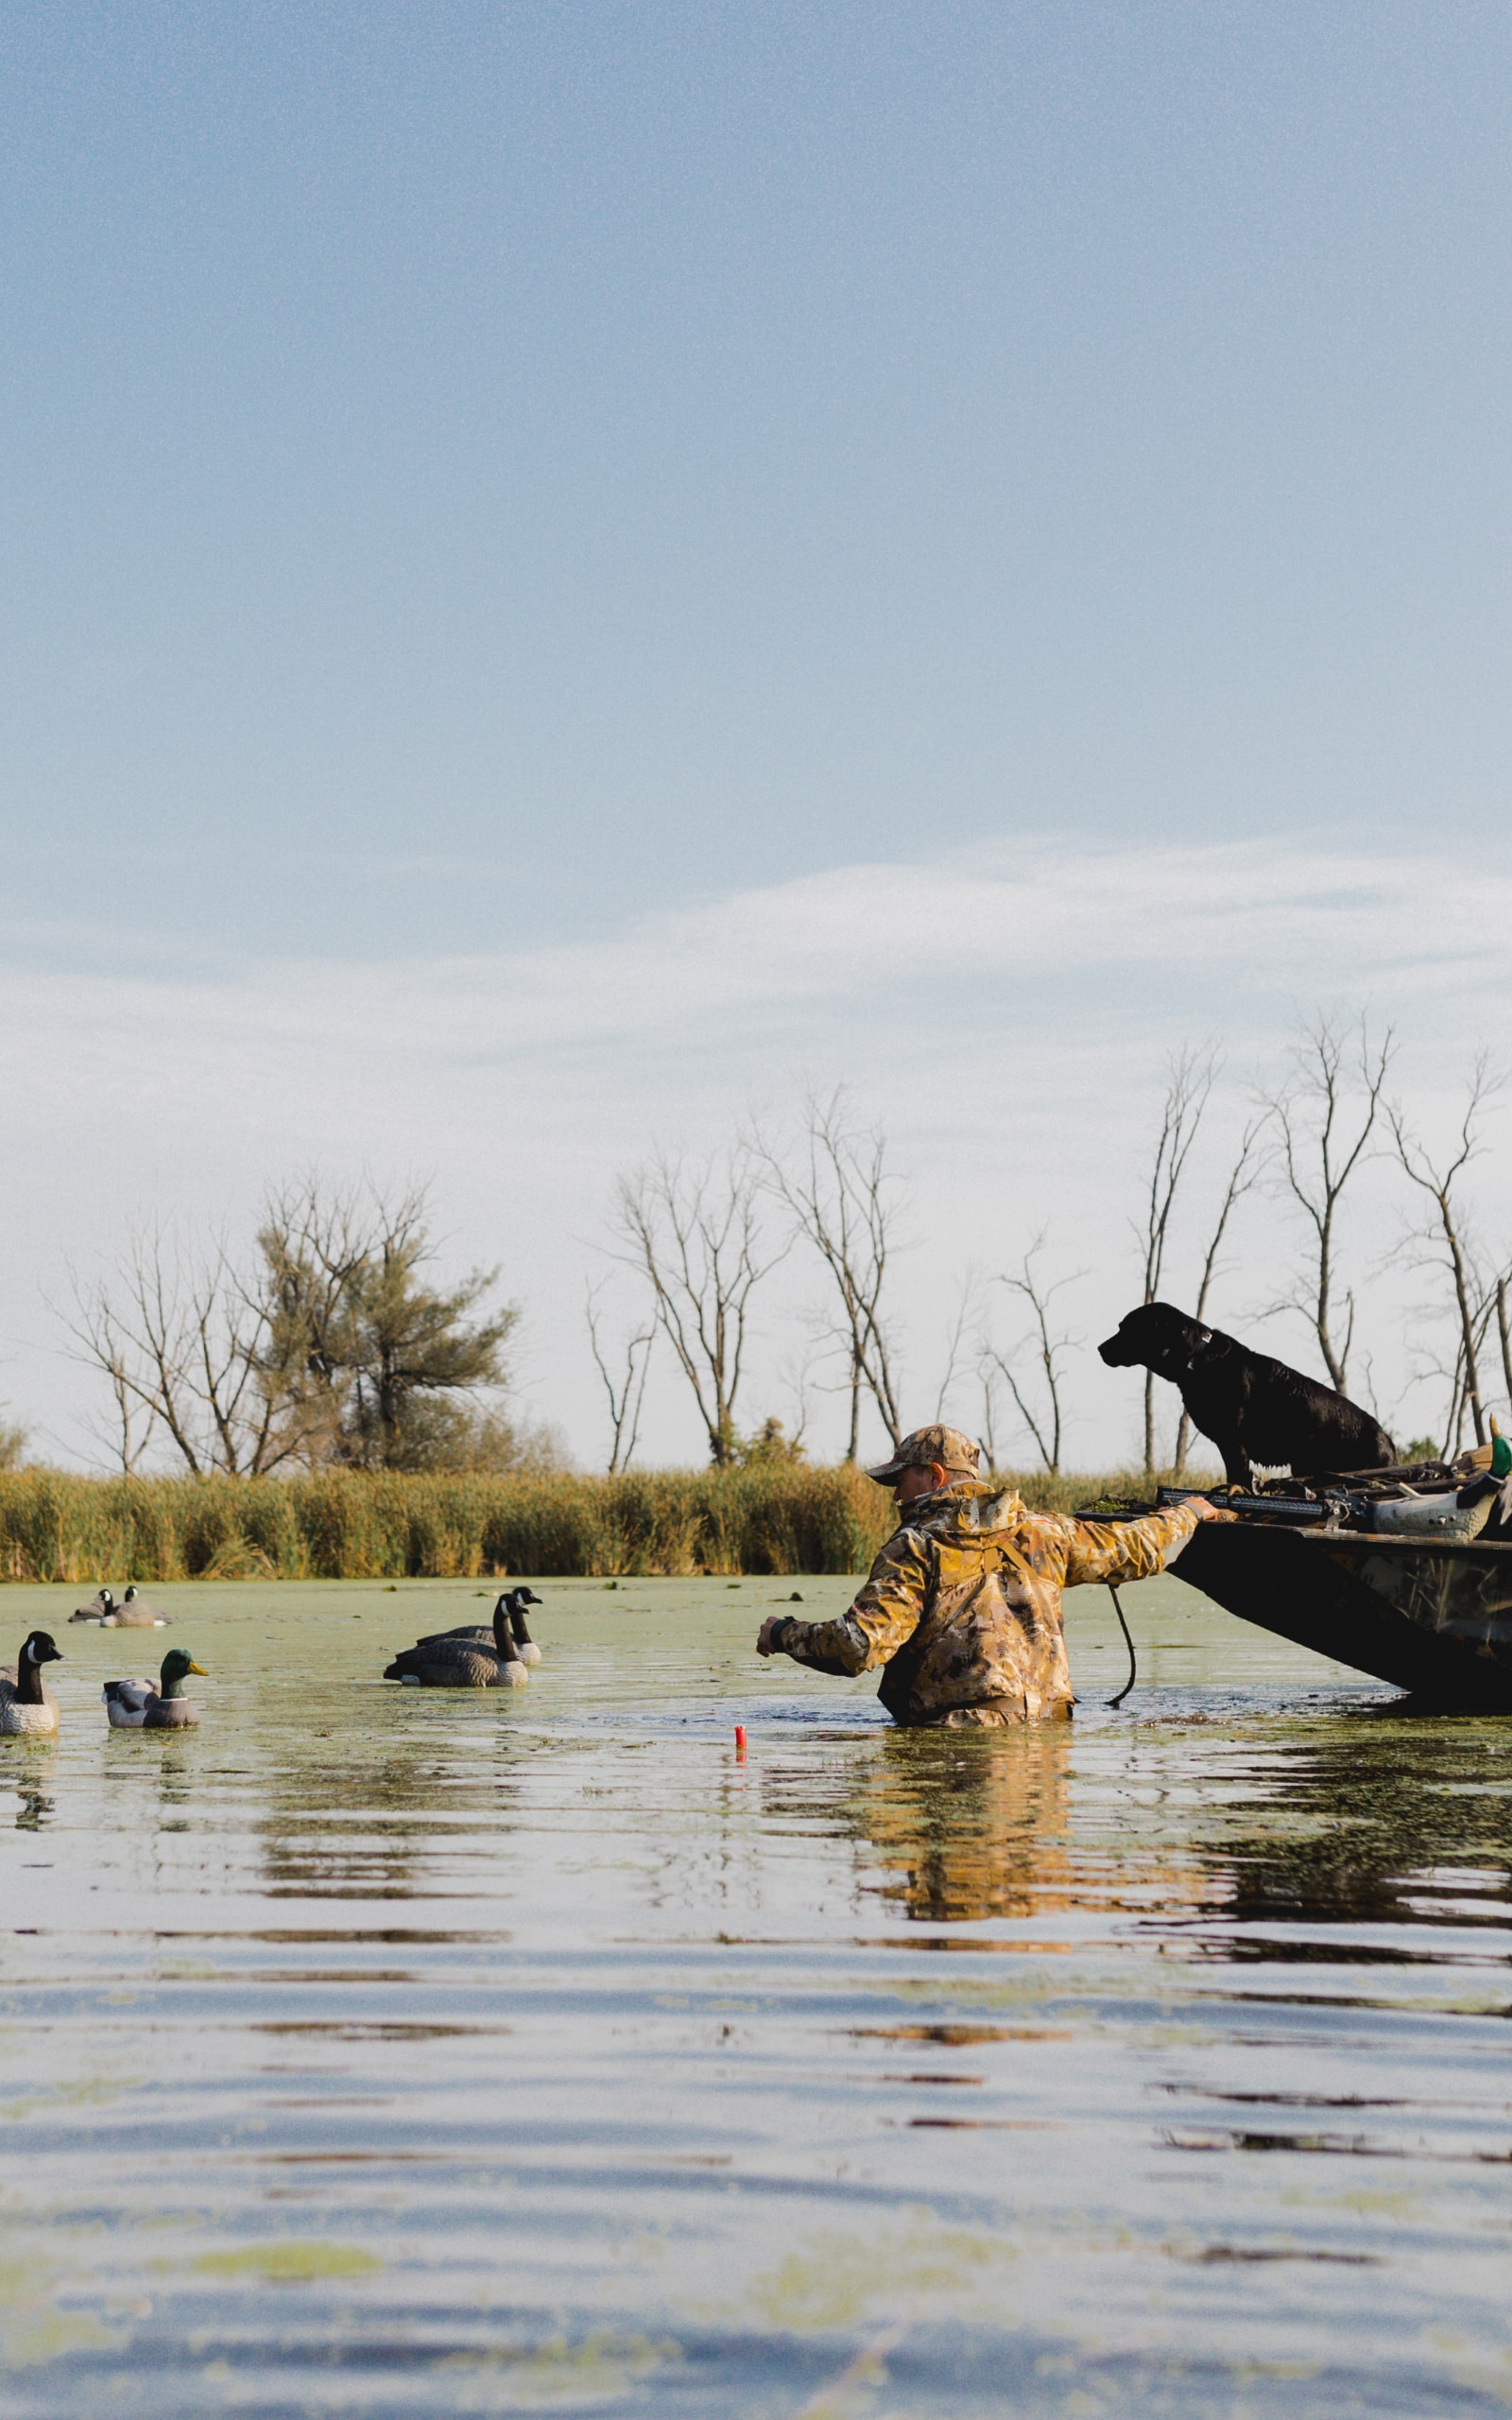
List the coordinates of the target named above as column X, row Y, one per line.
column 951, row 1447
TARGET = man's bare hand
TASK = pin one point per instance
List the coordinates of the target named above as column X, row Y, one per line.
column 1207, row 1510
column 763, row 1637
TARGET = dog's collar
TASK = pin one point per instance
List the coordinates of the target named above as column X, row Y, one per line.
column 1204, row 1347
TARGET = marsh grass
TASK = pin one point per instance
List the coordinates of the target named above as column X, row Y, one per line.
column 350, row 1525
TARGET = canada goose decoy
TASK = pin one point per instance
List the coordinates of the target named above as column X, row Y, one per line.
column 154, row 1705
column 25, row 1704
column 512, row 1602
column 463, row 1661
column 525, row 1647
column 133, row 1612
column 96, row 1609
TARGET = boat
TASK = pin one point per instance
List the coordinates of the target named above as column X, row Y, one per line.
column 1434, row 1617
column 1403, row 1574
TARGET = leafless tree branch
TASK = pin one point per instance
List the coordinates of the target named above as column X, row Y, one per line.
column 1044, row 1347
column 692, row 1231
column 1447, row 1234
column 844, row 1203
column 1244, row 1174
column 968, row 1316
column 1190, row 1077
column 1319, row 1161
column 626, row 1391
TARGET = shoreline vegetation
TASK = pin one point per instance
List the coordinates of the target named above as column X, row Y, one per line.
column 353, row 1525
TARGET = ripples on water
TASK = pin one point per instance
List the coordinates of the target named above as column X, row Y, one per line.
column 385, row 2052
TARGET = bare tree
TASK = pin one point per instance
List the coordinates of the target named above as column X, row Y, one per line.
column 844, row 1203
column 1243, row 1174
column 179, row 1342
column 798, row 1379
column 968, row 1315
column 1323, row 1138
column 988, row 1377
column 1458, row 1373
column 624, row 1382
column 693, row 1233
column 130, row 1431
column 1044, row 1347
column 1190, row 1079
column 1505, row 1336
column 1447, row 1238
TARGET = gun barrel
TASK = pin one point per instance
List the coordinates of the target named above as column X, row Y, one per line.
column 1295, row 1509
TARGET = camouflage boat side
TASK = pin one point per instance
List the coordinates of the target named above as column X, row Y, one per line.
column 1432, row 1619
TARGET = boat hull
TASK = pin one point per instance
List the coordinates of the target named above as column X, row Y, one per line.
column 1432, row 1619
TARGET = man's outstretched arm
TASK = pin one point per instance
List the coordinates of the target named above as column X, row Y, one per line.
column 1132, row 1549
column 884, row 1615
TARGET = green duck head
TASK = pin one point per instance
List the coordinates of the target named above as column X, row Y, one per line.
column 176, row 1665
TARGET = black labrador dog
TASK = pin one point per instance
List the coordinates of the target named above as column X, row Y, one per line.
column 1254, row 1410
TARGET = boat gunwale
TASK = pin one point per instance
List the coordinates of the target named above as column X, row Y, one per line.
column 1394, row 1542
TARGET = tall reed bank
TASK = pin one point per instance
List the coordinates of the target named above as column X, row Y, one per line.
column 352, row 1524
column 358, row 1525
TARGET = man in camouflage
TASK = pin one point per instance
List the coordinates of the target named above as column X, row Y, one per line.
column 962, row 1606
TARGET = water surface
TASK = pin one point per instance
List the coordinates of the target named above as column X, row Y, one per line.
column 375, row 2051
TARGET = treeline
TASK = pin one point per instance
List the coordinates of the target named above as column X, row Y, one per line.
column 359, row 1524
column 704, row 1239
column 327, row 1340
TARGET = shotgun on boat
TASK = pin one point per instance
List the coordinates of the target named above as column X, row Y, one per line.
column 1403, row 1574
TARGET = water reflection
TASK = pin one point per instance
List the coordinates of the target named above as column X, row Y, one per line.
column 1381, row 1816
column 380, row 1819
column 177, row 1772
column 1361, row 1821
column 34, row 1808
column 974, row 1824
column 969, row 1825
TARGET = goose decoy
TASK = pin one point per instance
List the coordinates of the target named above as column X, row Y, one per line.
column 133, row 1612
column 154, row 1705
column 25, row 1704
column 525, row 1647
column 96, row 1610
column 462, row 1660
column 512, row 1602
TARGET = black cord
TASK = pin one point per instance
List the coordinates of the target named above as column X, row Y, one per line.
column 1133, row 1669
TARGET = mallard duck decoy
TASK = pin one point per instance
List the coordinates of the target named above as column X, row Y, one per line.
column 512, row 1602
column 25, row 1704
column 96, row 1610
column 133, row 1612
column 154, row 1705
column 462, row 1660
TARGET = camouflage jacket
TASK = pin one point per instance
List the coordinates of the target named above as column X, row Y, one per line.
column 963, row 1603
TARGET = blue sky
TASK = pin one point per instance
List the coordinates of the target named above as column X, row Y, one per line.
column 479, row 480
column 629, row 450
